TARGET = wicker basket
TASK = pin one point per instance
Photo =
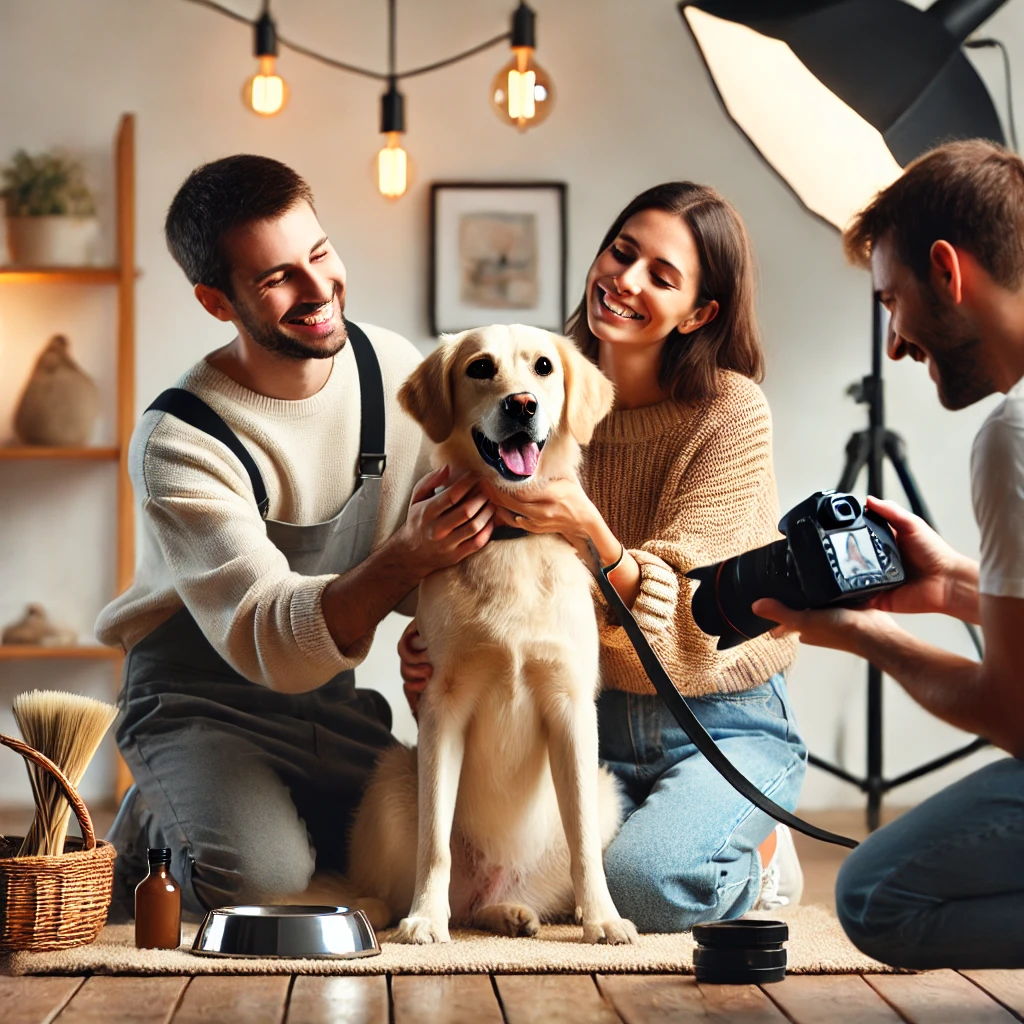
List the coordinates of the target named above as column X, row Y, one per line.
column 51, row 903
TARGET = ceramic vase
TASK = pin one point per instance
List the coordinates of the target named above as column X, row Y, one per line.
column 60, row 402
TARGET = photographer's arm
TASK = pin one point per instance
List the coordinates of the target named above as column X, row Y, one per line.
column 986, row 698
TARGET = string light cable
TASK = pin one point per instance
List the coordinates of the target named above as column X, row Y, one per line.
column 392, row 161
column 381, row 76
column 521, row 93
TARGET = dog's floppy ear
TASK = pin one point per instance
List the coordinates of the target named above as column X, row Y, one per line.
column 427, row 395
column 588, row 392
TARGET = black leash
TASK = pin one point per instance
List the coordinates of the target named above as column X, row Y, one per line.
column 699, row 736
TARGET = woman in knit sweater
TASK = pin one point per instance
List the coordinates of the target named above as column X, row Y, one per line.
column 678, row 475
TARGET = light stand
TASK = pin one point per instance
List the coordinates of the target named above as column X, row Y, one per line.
column 837, row 96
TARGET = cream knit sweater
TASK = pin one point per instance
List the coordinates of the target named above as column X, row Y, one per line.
column 204, row 544
column 685, row 486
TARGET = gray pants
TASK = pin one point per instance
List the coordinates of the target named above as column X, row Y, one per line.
column 249, row 788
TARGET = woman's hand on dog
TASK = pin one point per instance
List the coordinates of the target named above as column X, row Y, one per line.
column 416, row 667
column 560, row 506
column 442, row 529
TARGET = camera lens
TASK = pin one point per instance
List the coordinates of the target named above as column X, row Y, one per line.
column 721, row 605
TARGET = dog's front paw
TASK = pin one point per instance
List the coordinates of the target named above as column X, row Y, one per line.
column 511, row 919
column 421, row 931
column 616, row 931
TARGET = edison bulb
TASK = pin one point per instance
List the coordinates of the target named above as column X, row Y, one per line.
column 393, row 168
column 266, row 93
column 521, row 93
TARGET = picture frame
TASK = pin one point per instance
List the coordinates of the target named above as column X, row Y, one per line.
column 497, row 254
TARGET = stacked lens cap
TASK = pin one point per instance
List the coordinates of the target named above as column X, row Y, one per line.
column 741, row 952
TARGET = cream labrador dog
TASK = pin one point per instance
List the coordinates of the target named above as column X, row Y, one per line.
column 504, row 823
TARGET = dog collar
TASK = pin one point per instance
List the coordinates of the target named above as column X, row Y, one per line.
column 508, row 532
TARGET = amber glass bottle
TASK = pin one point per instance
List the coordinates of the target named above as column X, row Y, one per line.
column 158, row 905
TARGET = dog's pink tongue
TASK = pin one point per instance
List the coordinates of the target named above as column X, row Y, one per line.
column 522, row 461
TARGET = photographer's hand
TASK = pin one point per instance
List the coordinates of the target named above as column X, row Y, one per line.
column 939, row 579
column 843, row 629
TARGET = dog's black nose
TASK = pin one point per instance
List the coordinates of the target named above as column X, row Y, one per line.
column 521, row 406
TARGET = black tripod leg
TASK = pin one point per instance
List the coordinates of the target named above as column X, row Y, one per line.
column 874, row 783
column 897, row 453
column 858, row 448
column 896, row 450
column 858, row 453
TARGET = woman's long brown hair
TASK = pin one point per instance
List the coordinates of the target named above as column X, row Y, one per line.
column 690, row 363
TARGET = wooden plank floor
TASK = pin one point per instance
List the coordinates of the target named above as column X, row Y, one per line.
column 936, row 997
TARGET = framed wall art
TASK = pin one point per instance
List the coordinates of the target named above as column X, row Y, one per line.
column 497, row 255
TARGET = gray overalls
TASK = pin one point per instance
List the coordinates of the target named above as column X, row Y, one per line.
column 249, row 787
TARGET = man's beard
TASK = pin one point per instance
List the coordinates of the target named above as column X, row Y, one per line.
column 956, row 352
column 273, row 339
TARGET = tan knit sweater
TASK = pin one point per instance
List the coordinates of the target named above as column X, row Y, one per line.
column 684, row 486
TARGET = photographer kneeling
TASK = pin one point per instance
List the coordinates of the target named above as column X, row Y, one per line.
column 942, row 886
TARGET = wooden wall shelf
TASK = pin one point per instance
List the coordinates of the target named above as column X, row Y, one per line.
column 85, row 652
column 30, row 453
column 121, row 275
column 60, row 275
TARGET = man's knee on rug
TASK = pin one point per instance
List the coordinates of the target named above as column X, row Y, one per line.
column 875, row 914
column 263, row 870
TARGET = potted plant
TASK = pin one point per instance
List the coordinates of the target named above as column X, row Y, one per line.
column 51, row 215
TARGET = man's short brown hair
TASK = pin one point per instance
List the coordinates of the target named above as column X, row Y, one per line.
column 219, row 197
column 970, row 194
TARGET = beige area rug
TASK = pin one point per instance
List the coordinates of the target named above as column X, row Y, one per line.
column 816, row 945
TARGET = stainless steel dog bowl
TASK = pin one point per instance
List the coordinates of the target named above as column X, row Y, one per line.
column 286, row 932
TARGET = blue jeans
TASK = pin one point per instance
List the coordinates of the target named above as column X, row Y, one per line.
column 943, row 885
column 687, row 850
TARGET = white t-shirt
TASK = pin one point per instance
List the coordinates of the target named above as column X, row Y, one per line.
column 997, row 487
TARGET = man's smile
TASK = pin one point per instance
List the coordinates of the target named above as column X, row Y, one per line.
column 900, row 347
column 316, row 321
column 325, row 312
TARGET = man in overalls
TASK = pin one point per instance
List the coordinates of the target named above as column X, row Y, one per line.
column 281, row 521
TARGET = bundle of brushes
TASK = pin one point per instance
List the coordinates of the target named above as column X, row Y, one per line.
column 67, row 728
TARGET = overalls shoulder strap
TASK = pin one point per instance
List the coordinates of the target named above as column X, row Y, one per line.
column 191, row 409
column 371, row 394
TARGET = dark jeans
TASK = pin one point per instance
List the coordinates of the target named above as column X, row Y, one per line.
column 943, row 885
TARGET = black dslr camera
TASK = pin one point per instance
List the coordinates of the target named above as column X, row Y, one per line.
column 834, row 553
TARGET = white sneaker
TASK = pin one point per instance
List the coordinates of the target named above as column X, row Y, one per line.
column 782, row 882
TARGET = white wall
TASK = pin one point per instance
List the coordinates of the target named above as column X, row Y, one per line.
column 634, row 107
